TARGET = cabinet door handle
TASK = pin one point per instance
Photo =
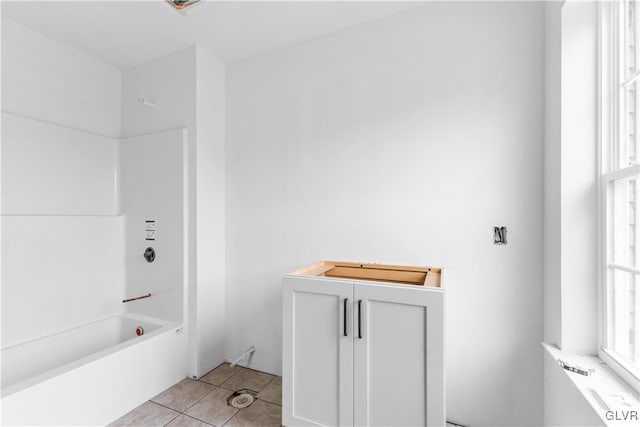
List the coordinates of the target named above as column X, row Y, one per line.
column 360, row 318
column 344, row 317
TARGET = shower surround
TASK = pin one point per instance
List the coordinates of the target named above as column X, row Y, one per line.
column 73, row 221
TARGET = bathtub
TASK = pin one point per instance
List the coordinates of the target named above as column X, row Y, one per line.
column 92, row 374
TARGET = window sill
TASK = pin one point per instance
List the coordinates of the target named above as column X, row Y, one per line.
column 600, row 387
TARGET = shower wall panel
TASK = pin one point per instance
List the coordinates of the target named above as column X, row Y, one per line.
column 154, row 192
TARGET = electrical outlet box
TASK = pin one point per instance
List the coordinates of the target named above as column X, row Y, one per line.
column 499, row 235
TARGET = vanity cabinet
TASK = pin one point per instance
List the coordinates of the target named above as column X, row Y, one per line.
column 363, row 345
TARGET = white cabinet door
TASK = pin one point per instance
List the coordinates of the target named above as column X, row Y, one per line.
column 317, row 352
column 398, row 361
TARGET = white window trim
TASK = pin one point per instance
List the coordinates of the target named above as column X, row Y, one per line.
column 620, row 367
column 608, row 128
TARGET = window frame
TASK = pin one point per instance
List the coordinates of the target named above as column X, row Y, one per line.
column 610, row 122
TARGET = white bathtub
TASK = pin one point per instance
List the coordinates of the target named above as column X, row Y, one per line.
column 93, row 374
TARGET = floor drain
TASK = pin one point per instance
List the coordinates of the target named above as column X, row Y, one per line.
column 241, row 399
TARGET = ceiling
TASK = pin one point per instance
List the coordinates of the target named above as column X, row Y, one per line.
column 127, row 33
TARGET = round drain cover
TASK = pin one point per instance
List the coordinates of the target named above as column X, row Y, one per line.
column 242, row 400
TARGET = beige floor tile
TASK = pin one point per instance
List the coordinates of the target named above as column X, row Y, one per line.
column 185, row 421
column 183, row 395
column 220, row 374
column 213, row 408
column 147, row 414
column 249, row 379
column 260, row 414
column 272, row 392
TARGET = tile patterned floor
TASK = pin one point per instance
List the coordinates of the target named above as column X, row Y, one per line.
column 203, row 403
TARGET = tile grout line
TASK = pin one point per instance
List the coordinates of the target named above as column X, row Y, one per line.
column 170, row 421
column 212, row 390
column 227, row 379
column 187, row 408
column 197, row 419
column 268, row 401
column 194, row 403
column 191, row 416
column 164, row 406
column 234, row 415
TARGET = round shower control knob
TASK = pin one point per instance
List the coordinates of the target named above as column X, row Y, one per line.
column 149, row 254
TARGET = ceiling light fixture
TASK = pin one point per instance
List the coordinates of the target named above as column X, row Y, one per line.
column 181, row 5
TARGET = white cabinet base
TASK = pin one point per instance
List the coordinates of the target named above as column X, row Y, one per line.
column 364, row 353
column 314, row 392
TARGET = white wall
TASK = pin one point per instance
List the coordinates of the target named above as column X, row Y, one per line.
column 210, row 166
column 187, row 87
column 570, row 172
column 54, row 170
column 62, row 262
column 153, row 188
column 552, row 183
column 50, row 81
column 579, row 68
column 169, row 82
column 404, row 140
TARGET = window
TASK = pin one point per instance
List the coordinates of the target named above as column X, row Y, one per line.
column 620, row 189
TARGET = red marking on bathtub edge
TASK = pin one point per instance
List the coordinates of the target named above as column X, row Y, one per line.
column 139, row 331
